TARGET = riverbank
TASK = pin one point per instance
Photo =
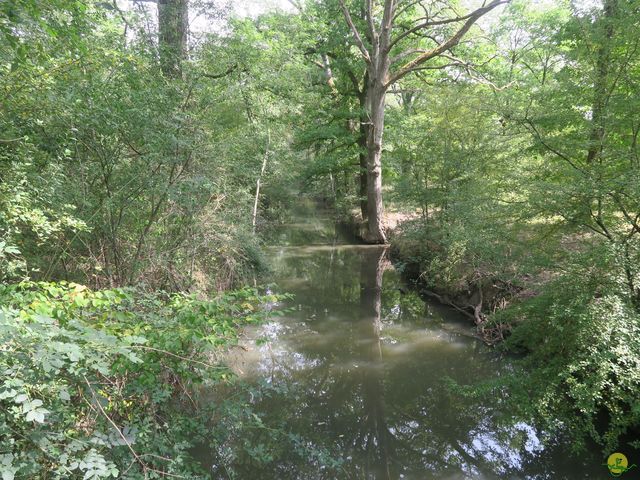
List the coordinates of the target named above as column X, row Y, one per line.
column 474, row 292
column 558, row 302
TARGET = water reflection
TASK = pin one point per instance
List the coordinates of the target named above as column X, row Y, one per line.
column 357, row 375
column 378, row 445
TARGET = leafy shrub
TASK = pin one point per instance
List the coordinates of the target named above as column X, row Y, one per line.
column 99, row 384
column 34, row 215
column 583, row 338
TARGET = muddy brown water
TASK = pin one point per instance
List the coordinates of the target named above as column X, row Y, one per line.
column 359, row 374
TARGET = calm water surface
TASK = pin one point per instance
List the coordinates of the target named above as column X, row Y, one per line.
column 360, row 370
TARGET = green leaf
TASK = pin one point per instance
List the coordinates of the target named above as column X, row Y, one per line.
column 37, row 415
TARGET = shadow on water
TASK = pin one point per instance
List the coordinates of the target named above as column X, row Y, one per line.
column 358, row 375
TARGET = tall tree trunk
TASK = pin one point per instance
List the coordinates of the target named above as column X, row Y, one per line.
column 362, row 154
column 376, row 54
column 605, row 27
column 265, row 158
column 376, row 94
column 173, row 29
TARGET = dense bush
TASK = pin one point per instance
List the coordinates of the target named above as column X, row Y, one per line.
column 99, row 384
column 582, row 334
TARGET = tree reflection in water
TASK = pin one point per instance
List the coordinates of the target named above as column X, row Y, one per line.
column 378, row 445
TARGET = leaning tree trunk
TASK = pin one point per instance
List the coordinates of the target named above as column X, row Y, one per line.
column 173, row 28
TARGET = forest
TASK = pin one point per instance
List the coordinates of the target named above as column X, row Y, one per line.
column 319, row 239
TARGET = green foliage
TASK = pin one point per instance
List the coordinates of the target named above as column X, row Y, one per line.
column 532, row 185
column 112, row 174
column 90, row 377
column 34, row 213
column 583, row 338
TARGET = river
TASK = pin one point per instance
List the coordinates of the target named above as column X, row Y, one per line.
column 361, row 374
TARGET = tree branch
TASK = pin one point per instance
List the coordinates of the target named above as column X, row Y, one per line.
column 386, row 27
column 354, row 80
column 404, row 54
column 369, row 14
column 215, row 76
column 450, row 43
column 553, row 150
column 297, row 5
column 354, row 31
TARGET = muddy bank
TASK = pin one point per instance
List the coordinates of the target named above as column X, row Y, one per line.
column 392, row 220
column 475, row 292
